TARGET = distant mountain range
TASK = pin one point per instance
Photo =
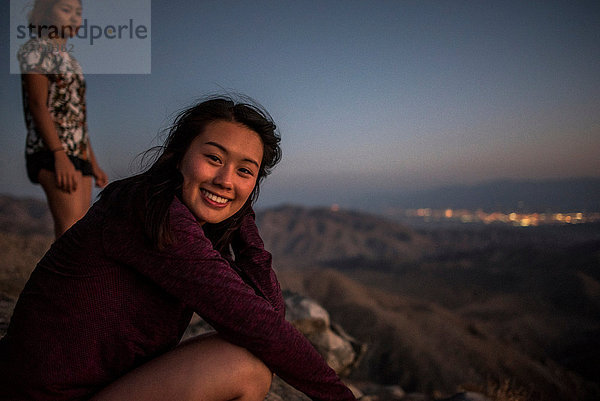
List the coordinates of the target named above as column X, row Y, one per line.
column 325, row 236
column 528, row 196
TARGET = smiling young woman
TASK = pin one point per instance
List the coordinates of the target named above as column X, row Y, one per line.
column 102, row 315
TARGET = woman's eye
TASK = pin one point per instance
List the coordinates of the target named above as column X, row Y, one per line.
column 246, row 171
column 213, row 158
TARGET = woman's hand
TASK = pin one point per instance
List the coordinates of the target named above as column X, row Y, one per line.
column 67, row 177
column 100, row 176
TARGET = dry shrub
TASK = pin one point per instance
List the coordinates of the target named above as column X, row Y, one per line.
column 507, row 391
column 504, row 390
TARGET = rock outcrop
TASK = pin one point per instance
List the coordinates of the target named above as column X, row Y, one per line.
column 341, row 351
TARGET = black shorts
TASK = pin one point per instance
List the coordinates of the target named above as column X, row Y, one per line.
column 45, row 160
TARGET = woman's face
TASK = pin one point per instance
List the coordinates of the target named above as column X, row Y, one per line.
column 219, row 170
column 66, row 16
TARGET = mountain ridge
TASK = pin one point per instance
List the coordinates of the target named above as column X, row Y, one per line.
column 319, row 235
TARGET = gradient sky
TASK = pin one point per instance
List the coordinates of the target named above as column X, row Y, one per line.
column 369, row 96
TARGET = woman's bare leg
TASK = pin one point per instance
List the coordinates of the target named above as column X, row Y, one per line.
column 66, row 207
column 86, row 194
column 205, row 368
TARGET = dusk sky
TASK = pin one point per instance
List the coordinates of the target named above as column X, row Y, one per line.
column 369, row 96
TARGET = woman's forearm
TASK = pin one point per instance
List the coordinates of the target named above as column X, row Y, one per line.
column 255, row 261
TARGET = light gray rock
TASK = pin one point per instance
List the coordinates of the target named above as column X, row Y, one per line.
column 197, row 327
column 340, row 350
column 281, row 391
column 307, row 315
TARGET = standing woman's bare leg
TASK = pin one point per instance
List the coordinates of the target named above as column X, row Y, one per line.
column 66, row 207
column 85, row 198
column 203, row 369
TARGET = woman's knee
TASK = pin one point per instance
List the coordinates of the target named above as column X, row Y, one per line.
column 205, row 368
column 255, row 377
column 247, row 373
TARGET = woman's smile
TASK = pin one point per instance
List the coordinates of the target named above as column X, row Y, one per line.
column 214, row 199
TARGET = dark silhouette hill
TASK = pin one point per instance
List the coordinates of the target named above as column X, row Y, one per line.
column 25, row 234
column 24, row 216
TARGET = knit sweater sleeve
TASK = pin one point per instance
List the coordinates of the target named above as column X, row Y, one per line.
column 254, row 261
column 193, row 272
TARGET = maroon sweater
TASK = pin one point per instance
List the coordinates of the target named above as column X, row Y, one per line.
column 101, row 302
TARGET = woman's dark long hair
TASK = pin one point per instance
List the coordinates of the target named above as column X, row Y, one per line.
column 153, row 190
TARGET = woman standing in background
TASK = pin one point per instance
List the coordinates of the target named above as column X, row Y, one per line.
column 58, row 151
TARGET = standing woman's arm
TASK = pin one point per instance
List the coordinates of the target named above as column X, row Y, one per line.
column 36, row 86
column 99, row 175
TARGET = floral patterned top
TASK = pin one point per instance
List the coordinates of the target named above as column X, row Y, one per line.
column 66, row 96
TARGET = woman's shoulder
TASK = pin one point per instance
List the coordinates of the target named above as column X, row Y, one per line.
column 40, row 55
column 118, row 201
column 34, row 44
column 184, row 225
column 122, row 204
column 180, row 215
